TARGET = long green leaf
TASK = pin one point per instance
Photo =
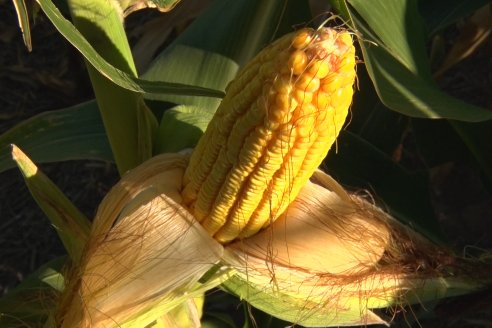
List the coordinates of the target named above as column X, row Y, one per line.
column 393, row 46
column 68, row 134
column 210, row 60
column 23, row 18
column 439, row 14
column 116, row 75
column 71, row 225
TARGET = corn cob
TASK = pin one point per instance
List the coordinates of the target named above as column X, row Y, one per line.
column 278, row 120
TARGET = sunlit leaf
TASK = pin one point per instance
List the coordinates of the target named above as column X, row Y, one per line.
column 23, row 18
column 73, row 133
column 116, row 75
column 210, row 60
column 71, row 225
column 393, row 47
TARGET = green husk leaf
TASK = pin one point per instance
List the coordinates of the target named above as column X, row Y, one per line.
column 72, row 133
column 147, row 131
column 130, row 126
column 70, row 224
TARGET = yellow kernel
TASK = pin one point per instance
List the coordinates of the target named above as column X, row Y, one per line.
column 319, row 68
column 305, row 127
column 308, row 83
column 307, row 109
column 331, row 83
column 302, row 39
column 278, row 114
column 302, row 96
column 282, row 84
column 298, row 61
column 342, row 97
column 347, row 65
column 285, row 100
column 345, row 38
column 322, row 99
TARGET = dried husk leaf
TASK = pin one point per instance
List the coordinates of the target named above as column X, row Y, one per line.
column 332, row 257
column 321, row 232
column 147, row 256
column 327, row 261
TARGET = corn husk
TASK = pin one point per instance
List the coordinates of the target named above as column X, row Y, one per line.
column 329, row 260
column 145, row 253
column 332, row 258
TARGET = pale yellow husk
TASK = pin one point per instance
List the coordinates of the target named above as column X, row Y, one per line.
column 329, row 260
column 145, row 253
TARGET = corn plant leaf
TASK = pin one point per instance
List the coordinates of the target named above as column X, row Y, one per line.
column 184, row 125
column 373, row 121
column 30, row 303
column 439, row 14
column 405, row 194
column 296, row 310
column 68, row 134
column 70, row 224
column 23, row 18
column 340, row 7
column 211, row 60
column 123, row 111
column 117, row 76
column 393, row 46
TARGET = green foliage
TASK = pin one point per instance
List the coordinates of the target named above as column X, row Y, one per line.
column 68, row 134
column 185, row 82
